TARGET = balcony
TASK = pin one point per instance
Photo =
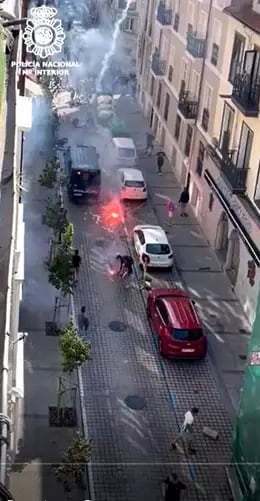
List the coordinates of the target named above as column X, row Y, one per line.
column 195, row 45
column 236, row 178
column 187, row 106
column 164, row 16
column 246, row 94
column 158, row 66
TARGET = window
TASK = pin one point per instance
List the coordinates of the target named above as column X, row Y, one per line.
column 217, row 28
column 128, row 24
column 158, row 249
column 170, row 73
column 195, row 84
column 177, row 127
column 203, row 20
column 200, row 159
column 152, row 86
column 237, row 56
column 226, row 128
column 206, row 108
column 184, row 70
column 245, row 146
column 141, row 236
column 160, row 306
column 187, row 335
column 190, row 16
column 211, row 201
column 159, row 96
column 188, row 140
column 166, row 107
column 257, row 188
column 134, row 184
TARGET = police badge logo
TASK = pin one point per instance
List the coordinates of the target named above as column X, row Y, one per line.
column 43, row 35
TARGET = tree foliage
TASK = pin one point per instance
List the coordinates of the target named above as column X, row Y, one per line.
column 74, row 349
column 68, row 235
column 61, row 271
column 71, row 471
column 49, row 174
column 56, row 216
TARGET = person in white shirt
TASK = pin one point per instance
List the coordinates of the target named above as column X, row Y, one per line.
column 186, row 430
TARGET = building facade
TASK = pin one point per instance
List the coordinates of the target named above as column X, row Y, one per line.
column 127, row 43
column 201, row 94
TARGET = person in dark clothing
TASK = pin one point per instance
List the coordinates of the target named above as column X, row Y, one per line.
column 83, row 322
column 126, row 263
column 160, row 161
column 76, row 262
column 183, row 201
column 149, row 143
column 172, row 488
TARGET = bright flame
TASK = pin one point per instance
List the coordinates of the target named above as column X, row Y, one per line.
column 115, row 215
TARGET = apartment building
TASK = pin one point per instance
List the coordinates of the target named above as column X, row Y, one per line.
column 127, row 43
column 201, row 94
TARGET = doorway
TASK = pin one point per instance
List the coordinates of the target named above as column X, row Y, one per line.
column 221, row 242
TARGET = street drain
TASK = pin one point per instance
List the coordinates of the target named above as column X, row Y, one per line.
column 117, row 326
column 135, row 402
column 243, row 357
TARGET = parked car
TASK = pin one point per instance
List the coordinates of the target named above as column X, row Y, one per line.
column 124, row 152
column 132, row 185
column 152, row 241
column 176, row 324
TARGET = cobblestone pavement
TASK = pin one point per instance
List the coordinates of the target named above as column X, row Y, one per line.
column 131, row 448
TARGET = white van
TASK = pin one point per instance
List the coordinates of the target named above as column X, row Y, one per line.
column 124, row 151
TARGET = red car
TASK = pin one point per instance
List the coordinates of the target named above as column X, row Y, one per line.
column 176, row 324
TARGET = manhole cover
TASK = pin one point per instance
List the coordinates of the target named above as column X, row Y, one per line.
column 243, row 357
column 134, row 402
column 100, row 242
column 117, row 326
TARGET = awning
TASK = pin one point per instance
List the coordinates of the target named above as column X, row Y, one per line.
column 250, row 245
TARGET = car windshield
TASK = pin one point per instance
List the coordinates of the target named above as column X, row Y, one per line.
column 126, row 152
column 187, row 335
column 134, row 184
column 158, row 249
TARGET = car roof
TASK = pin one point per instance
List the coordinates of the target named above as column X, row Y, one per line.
column 181, row 311
column 132, row 174
column 124, row 142
column 153, row 234
column 84, row 157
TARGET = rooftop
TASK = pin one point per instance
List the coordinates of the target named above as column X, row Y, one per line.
column 242, row 10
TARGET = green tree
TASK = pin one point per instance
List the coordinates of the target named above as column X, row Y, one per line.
column 61, row 271
column 49, row 174
column 74, row 349
column 68, row 235
column 56, row 217
column 71, row 471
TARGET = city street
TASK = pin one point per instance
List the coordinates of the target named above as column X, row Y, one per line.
column 135, row 401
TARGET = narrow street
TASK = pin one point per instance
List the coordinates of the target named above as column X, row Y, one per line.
column 132, row 436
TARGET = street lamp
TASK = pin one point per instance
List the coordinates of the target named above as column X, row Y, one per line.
column 22, row 337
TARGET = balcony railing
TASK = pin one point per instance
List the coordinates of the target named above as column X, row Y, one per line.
column 246, row 94
column 176, row 22
column 234, row 176
column 187, row 106
column 195, row 45
column 164, row 16
column 158, row 65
